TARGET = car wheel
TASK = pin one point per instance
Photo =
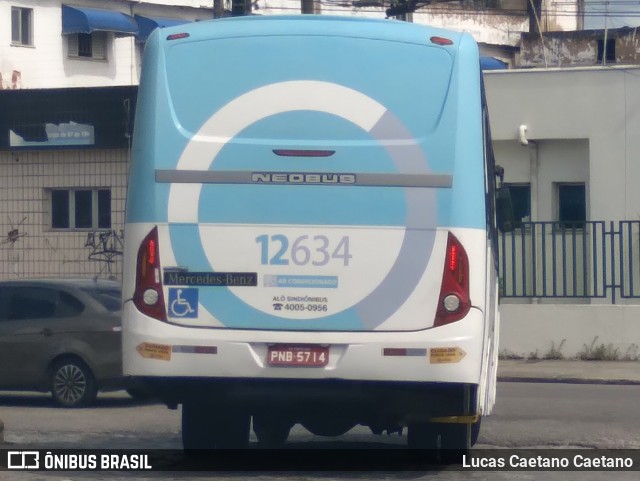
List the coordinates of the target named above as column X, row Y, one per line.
column 72, row 383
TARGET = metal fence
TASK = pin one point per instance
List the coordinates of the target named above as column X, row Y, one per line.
column 594, row 259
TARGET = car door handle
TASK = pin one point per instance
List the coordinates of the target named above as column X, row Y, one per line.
column 46, row 332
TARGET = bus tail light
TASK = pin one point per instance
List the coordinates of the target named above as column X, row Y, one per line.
column 148, row 296
column 454, row 302
column 441, row 41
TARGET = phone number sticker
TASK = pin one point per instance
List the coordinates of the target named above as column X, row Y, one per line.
column 300, row 303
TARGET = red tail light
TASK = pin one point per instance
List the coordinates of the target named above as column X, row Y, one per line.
column 454, row 302
column 441, row 41
column 177, row 36
column 148, row 296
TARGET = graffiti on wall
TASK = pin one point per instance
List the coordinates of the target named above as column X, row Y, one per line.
column 106, row 248
column 14, row 234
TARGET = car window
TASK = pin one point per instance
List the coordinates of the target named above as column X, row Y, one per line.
column 31, row 303
column 68, row 306
column 3, row 306
column 110, row 298
column 26, row 302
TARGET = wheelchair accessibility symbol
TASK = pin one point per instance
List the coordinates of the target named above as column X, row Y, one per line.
column 183, row 303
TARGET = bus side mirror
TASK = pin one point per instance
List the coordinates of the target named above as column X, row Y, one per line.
column 504, row 210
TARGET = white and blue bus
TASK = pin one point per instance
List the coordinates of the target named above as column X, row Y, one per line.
column 310, row 231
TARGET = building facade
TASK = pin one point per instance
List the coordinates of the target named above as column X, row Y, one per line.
column 68, row 76
column 570, row 271
column 567, row 139
column 582, row 48
column 68, row 84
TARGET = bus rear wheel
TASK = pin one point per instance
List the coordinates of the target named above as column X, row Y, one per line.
column 445, row 442
column 272, row 432
column 211, row 426
column 422, row 436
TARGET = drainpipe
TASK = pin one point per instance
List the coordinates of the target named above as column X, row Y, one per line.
column 606, row 31
column 534, row 165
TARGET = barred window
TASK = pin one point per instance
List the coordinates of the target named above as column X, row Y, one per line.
column 80, row 208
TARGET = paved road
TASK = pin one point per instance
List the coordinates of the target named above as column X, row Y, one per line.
column 527, row 415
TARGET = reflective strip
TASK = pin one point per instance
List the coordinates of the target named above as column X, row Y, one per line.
column 196, row 349
column 471, row 419
column 246, row 177
column 402, row 352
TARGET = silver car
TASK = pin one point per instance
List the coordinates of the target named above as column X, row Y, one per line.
column 61, row 335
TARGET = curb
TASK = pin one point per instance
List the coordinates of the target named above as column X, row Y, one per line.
column 570, row 380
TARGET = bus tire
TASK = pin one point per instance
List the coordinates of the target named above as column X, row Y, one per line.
column 422, row 435
column 232, row 429
column 446, row 443
column 455, row 442
column 272, row 432
column 475, row 432
column 196, row 430
column 459, row 436
column 211, row 426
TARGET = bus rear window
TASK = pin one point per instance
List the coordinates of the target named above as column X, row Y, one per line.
column 394, row 74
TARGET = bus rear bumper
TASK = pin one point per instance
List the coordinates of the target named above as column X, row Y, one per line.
column 446, row 354
column 362, row 402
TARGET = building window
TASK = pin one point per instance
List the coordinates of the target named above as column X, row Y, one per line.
column 21, row 26
column 80, row 208
column 88, row 45
column 572, row 205
column 611, row 50
column 521, row 202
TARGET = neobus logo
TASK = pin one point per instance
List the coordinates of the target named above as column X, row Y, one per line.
column 301, row 178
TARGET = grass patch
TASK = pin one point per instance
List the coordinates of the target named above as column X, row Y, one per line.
column 554, row 352
column 599, row 352
column 507, row 355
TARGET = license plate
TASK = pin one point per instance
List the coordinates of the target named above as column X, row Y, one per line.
column 304, row 356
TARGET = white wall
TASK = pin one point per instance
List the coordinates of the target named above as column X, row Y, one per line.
column 46, row 65
column 598, row 105
column 585, row 123
column 544, row 164
column 527, row 330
